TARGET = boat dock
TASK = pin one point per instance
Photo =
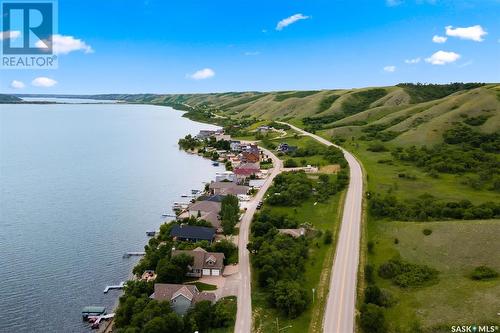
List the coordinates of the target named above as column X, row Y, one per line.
column 132, row 254
column 120, row 286
column 97, row 320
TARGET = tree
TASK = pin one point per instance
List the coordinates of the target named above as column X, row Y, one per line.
column 173, row 270
column 290, row 298
column 372, row 319
column 229, row 213
column 156, row 325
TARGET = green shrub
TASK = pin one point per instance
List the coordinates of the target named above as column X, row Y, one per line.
column 427, row 232
column 483, row 273
column 405, row 274
column 372, row 319
column 328, row 237
column 290, row 163
column 376, row 147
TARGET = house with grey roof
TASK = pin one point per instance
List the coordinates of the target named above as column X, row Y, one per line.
column 190, row 233
column 181, row 297
column 225, row 188
column 205, row 263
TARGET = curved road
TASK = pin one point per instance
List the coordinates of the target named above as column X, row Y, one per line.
column 244, row 301
column 341, row 303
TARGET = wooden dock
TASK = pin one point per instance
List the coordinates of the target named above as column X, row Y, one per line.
column 120, row 286
column 132, row 254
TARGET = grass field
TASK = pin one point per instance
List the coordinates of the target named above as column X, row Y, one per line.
column 454, row 248
column 323, row 216
column 383, row 177
column 301, row 142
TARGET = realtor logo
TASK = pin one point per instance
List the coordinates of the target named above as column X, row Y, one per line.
column 27, row 31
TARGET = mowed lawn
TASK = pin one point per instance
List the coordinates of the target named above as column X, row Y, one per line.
column 454, row 248
column 323, row 216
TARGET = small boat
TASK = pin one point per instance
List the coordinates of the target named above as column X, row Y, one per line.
column 150, row 233
column 215, row 163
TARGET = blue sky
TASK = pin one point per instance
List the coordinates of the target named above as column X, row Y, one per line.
column 157, row 46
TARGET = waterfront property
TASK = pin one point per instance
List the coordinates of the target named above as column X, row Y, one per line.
column 189, row 233
column 205, row 263
column 181, row 297
column 225, row 188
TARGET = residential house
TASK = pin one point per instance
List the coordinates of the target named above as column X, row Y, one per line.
column 286, row 148
column 222, row 136
column 181, row 297
column 263, row 129
column 207, row 210
column 256, row 183
column 249, row 165
column 226, row 188
column 189, row 233
column 243, row 174
column 227, row 176
column 235, row 146
column 250, row 148
column 205, row 134
column 205, row 263
column 250, row 157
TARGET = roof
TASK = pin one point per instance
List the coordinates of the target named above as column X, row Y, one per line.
column 229, row 188
column 94, row 309
column 213, row 218
column 205, row 206
column 250, row 156
column 201, row 258
column 245, row 172
column 248, row 165
column 195, row 232
column 167, row 292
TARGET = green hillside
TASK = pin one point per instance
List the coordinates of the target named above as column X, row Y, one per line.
column 9, row 99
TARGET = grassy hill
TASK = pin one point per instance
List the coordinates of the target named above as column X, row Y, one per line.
column 9, row 99
column 408, row 114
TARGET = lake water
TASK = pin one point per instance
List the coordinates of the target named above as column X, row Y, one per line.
column 79, row 186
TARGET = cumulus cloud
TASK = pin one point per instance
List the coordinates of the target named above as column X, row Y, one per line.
column 439, row 39
column 290, row 20
column 43, row 82
column 413, row 61
column 11, row 34
column 390, row 69
column 17, row 84
column 66, row 44
column 443, row 58
column 202, row 74
column 475, row 33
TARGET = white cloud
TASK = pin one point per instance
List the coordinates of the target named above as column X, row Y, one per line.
column 11, row 34
column 474, row 33
column 439, row 39
column 252, row 53
column 390, row 69
column 202, row 74
column 413, row 61
column 44, row 82
column 17, row 84
column 442, row 58
column 290, row 20
column 66, row 44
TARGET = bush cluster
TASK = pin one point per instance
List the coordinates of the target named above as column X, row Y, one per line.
column 405, row 274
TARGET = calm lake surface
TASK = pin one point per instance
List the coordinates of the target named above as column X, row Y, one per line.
column 79, row 186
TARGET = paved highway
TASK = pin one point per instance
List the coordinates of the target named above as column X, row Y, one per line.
column 244, row 313
column 340, row 307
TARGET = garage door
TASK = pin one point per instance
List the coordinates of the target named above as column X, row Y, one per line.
column 206, row 272
column 215, row 272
